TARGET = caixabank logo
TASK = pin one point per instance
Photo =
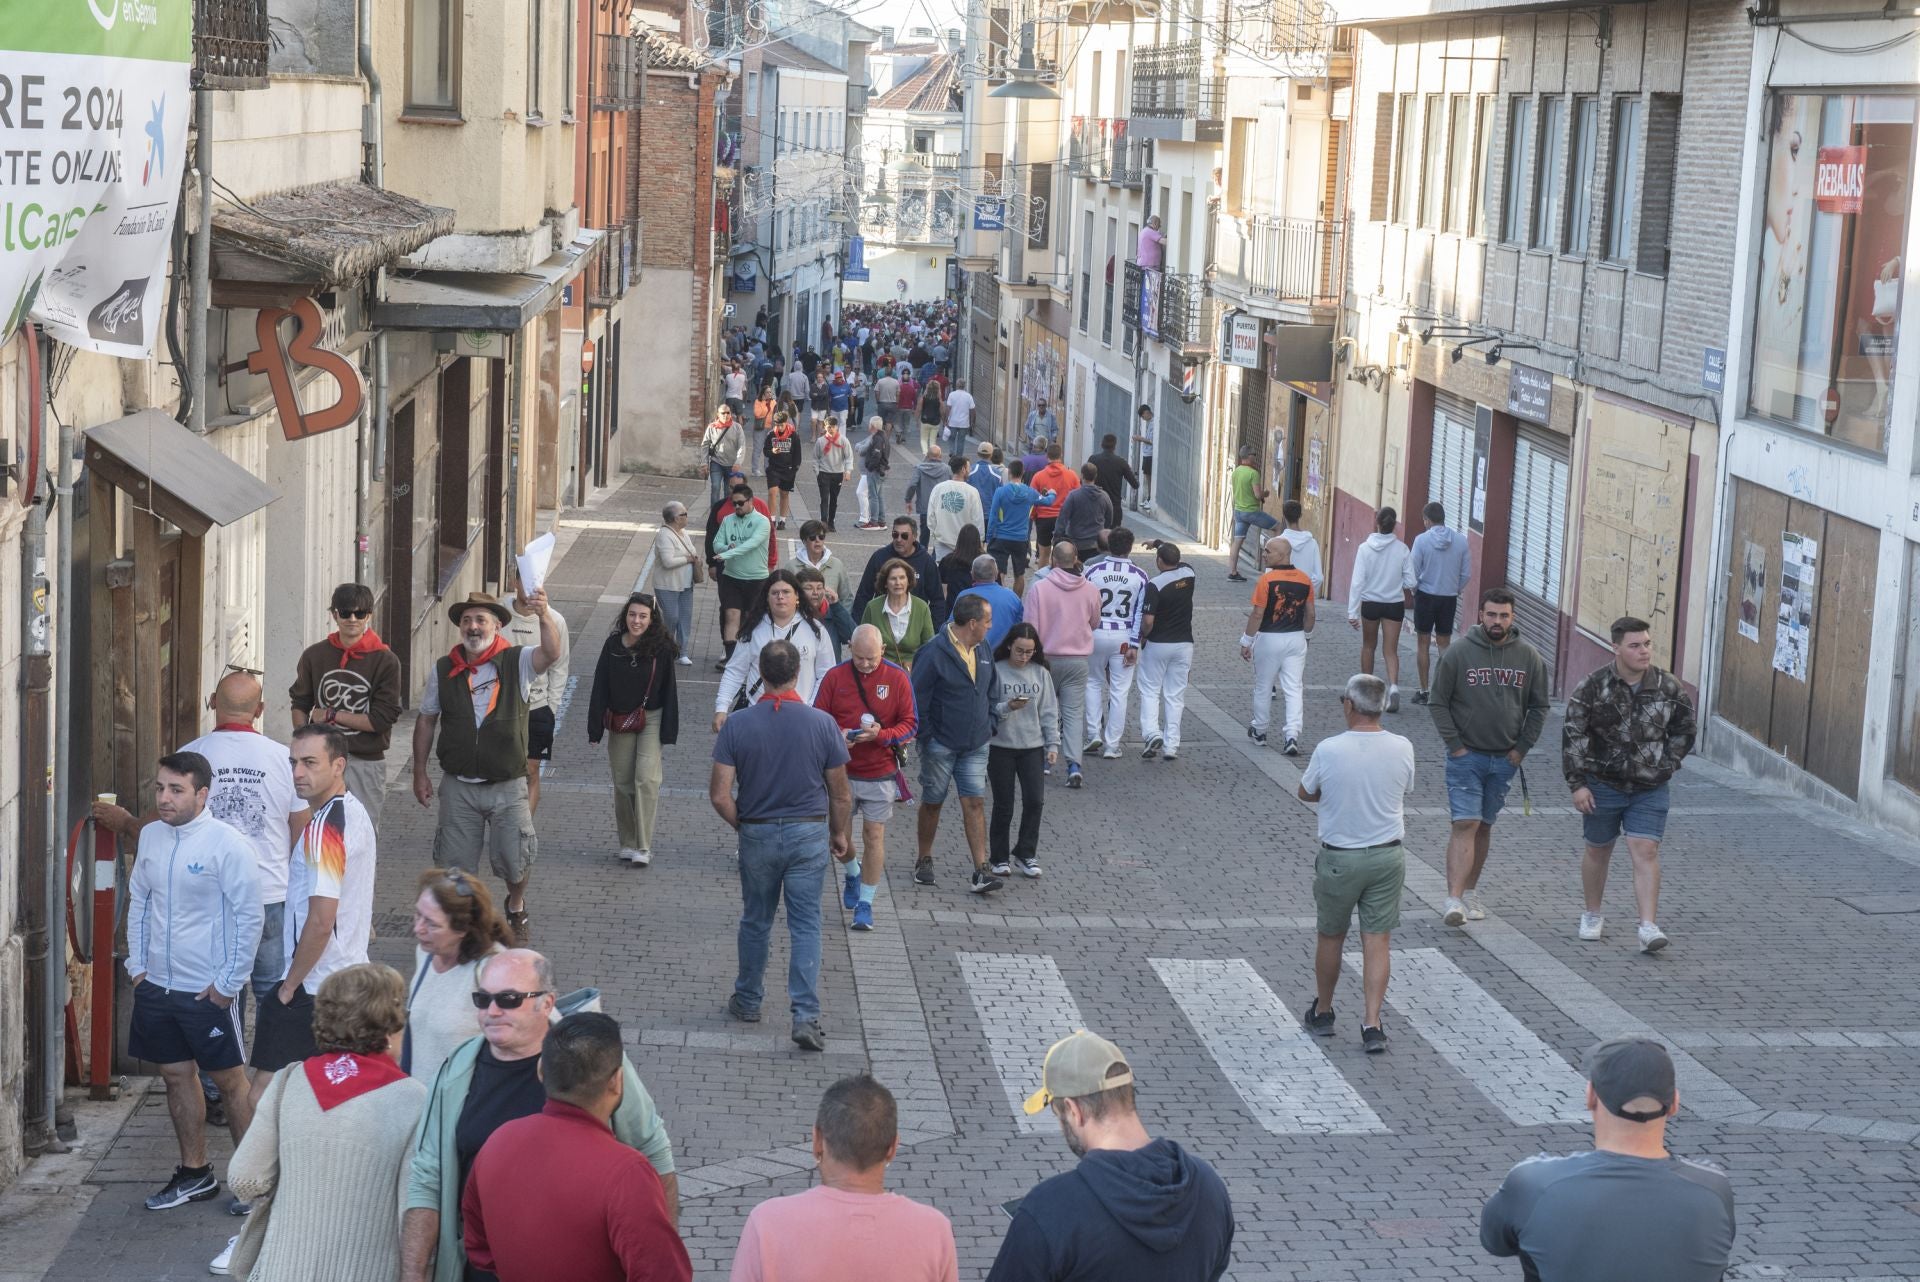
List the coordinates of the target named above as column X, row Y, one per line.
column 109, row 13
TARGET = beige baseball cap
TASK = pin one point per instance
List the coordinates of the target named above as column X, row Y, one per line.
column 1078, row 1065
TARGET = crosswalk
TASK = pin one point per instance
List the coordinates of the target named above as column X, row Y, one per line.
column 1289, row 1081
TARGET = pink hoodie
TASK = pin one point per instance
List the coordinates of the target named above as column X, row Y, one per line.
column 1065, row 608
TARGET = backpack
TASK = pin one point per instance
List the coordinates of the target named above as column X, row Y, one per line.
column 930, row 405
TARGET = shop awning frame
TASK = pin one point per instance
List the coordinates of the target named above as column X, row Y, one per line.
column 174, row 472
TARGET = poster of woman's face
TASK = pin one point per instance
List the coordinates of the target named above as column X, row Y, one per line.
column 1780, row 307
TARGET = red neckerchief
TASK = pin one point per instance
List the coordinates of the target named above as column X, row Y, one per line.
column 339, row 1076
column 462, row 664
column 783, row 431
column 368, row 643
column 242, row 727
column 779, row 697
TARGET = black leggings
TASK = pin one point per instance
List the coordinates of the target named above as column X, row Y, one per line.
column 1004, row 766
column 829, row 496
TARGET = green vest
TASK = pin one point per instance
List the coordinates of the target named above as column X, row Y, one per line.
column 495, row 751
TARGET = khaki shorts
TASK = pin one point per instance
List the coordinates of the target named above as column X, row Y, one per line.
column 873, row 799
column 493, row 815
column 1369, row 880
column 367, row 780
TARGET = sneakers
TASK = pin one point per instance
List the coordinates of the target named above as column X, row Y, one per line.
column 1420, row 696
column 1454, row 912
column 685, row 661
column 1373, row 1040
column 1292, row 748
column 1073, row 776
column 1152, row 750
column 1393, row 705
column 1000, row 868
column 218, row 1264
column 850, row 892
column 1027, row 867
column 808, row 1036
column 1236, row 577
column 984, row 882
column 1476, row 911
column 639, row 858
column 236, row 1207
column 1170, row 754
column 1112, row 753
column 1317, row 1020
column 923, row 872
column 1592, row 926
column 862, row 916
column 1652, row 938
column 1094, row 747
column 1258, row 736
column 187, row 1185
column 737, row 1007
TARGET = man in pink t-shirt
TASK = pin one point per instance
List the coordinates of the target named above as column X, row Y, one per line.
column 1150, row 250
column 848, row 1228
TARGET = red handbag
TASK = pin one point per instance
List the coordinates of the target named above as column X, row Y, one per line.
column 631, row 722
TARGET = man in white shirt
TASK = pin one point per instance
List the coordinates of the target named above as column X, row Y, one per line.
column 1143, row 437
column 544, row 694
column 1360, row 780
column 951, row 504
column 1116, row 643
column 960, row 408
column 329, row 901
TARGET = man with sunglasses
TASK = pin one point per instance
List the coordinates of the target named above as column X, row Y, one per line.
column 905, row 544
column 485, row 1083
column 741, row 549
column 351, row 682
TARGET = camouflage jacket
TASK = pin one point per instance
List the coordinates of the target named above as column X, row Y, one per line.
column 1626, row 736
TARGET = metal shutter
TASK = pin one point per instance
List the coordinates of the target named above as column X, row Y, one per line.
column 1450, row 472
column 1536, row 539
column 1253, row 416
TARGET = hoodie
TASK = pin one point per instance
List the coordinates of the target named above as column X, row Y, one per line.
column 1065, row 609
column 1059, row 480
column 1489, row 696
column 1382, row 572
column 1442, row 562
column 1156, row 1212
column 926, row 474
column 1083, row 515
column 193, row 906
column 1306, row 555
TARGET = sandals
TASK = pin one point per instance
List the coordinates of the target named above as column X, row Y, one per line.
column 517, row 921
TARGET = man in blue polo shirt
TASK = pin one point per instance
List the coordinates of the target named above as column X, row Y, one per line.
column 793, row 808
column 1007, row 609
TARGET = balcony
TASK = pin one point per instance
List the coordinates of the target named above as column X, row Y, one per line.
column 619, row 73
column 1176, row 95
column 1100, row 149
column 618, row 267
column 933, row 161
column 1299, row 262
column 230, row 43
column 857, row 96
column 1184, row 312
column 1299, row 37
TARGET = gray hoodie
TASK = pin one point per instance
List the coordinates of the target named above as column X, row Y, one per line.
column 1489, row 696
column 1037, row 725
column 926, row 474
column 1442, row 562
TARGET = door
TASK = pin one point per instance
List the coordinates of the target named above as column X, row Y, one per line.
column 1176, row 454
column 1536, row 539
column 396, row 611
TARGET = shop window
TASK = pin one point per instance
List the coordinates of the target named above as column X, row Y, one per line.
column 1827, row 302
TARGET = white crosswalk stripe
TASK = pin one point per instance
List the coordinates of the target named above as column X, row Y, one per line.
column 1024, row 1008
column 1521, row 1075
column 1286, row 1082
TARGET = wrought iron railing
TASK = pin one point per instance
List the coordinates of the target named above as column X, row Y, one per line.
column 1288, row 260
column 1174, row 82
column 230, row 43
column 618, row 267
column 619, row 72
column 1275, row 27
column 1183, row 311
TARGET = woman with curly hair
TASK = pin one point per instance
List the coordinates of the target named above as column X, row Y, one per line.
column 456, row 926
column 782, row 612
column 331, row 1143
column 1023, row 748
column 637, row 701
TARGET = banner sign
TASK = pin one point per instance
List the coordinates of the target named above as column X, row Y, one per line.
column 856, row 269
column 989, row 214
column 1840, row 179
column 745, row 277
column 1530, row 394
column 1241, row 340
column 93, row 109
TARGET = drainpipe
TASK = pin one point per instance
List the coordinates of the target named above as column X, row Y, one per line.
column 41, row 877
column 62, row 746
column 373, row 139
column 200, row 261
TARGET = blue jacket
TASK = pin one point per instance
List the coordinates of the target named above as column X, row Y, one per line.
column 1010, row 515
column 986, row 478
column 1007, row 610
column 955, row 711
column 1442, row 562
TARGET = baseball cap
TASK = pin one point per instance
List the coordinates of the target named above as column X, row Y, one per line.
column 1078, row 1065
column 985, row 449
column 1626, row 1069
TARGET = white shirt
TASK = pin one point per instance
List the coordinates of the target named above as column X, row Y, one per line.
column 333, row 859
column 959, row 408
column 253, row 793
column 743, row 669
column 737, row 385
column 897, row 620
column 1144, row 431
column 950, row 505
column 1362, row 777
column 1123, row 591
column 546, row 689
column 481, row 679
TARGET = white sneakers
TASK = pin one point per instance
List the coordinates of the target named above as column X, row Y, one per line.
column 1652, row 938
column 640, row 857
column 1454, row 912
column 1592, row 926
column 1476, row 911
column 218, row 1265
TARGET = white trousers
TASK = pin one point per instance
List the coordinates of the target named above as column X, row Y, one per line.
column 1280, row 656
column 1109, row 682
column 1164, row 666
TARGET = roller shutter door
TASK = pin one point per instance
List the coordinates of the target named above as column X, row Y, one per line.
column 1450, row 471
column 1536, row 540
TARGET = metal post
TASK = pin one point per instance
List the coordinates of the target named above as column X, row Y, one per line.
column 39, row 883
column 200, row 260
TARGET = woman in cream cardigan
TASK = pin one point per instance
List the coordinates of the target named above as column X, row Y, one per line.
column 675, row 558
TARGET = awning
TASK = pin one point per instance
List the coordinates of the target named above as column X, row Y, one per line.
column 320, row 236
column 169, row 469
column 497, row 301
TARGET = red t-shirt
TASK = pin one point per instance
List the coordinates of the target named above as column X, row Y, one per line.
column 890, row 692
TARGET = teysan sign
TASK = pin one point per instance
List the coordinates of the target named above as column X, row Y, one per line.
column 1840, row 179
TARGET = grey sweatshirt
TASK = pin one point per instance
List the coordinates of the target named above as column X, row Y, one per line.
column 1037, row 725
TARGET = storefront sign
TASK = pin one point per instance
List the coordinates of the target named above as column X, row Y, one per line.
column 1713, row 369
column 856, row 269
column 1530, row 394
column 93, row 104
column 989, row 214
column 745, row 277
column 1840, row 179
column 1240, row 340
column 277, row 361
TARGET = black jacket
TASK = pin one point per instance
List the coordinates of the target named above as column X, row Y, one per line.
column 1111, row 470
column 623, row 680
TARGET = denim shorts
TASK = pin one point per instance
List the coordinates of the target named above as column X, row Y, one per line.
column 941, row 766
column 1642, row 813
column 1244, row 521
column 1477, row 784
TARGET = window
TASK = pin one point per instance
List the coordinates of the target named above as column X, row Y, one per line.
column 567, row 58
column 1460, row 164
column 1519, row 142
column 433, row 57
column 461, row 476
column 1086, row 268
column 1839, row 188
column 1106, row 304
column 1239, row 163
column 536, row 57
column 1548, row 176
column 780, row 135
column 923, row 141
column 753, row 93
column 1483, row 163
column 1405, row 159
column 1575, row 235
column 1377, row 206
column 1433, row 163
column 1656, row 184
column 1626, row 160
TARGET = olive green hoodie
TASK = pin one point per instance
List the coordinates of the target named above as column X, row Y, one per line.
column 1490, row 696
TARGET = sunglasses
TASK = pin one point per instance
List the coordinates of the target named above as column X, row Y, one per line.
column 352, row 614
column 741, row 505
column 461, row 886
column 507, row 999
column 252, row 672
column 903, row 537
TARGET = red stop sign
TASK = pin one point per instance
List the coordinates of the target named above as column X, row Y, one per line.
column 1830, row 404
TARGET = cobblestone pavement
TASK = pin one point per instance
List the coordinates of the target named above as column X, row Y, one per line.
column 1176, row 916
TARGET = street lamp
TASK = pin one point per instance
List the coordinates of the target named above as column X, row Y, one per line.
column 1023, row 81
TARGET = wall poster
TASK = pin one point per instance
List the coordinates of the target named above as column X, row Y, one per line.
column 1753, row 587
column 1792, row 638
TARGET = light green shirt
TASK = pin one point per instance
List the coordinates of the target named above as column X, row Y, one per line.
column 741, row 545
column 1246, row 481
